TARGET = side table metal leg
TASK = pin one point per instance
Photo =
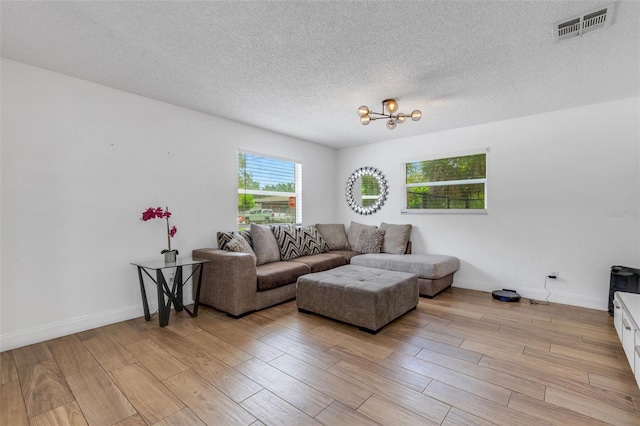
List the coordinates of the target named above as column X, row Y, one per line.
column 145, row 304
column 196, row 298
column 177, row 283
column 164, row 308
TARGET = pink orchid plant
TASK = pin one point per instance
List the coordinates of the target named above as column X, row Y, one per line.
column 158, row 213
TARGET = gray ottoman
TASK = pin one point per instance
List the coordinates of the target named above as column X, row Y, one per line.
column 365, row 297
column 434, row 271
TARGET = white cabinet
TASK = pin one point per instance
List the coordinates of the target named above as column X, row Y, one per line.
column 626, row 318
column 617, row 315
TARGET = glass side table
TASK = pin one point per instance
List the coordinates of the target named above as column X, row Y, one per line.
column 174, row 294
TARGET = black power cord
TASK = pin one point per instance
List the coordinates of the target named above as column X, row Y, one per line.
column 546, row 299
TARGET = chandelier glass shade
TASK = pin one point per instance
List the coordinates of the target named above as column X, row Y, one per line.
column 389, row 108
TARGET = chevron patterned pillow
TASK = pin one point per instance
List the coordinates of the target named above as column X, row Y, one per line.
column 289, row 241
column 312, row 241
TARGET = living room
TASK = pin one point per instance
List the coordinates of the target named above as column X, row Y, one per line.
column 81, row 160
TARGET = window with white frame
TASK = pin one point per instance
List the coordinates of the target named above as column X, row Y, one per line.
column 446, row 184
column 269, row 190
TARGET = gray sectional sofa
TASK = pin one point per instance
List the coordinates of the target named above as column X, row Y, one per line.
column 258, row 268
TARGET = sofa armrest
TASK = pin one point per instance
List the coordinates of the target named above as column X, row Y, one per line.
column 229, row 282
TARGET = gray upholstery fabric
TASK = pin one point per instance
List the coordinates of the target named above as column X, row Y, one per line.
column 355, row 229
column 229, row 282
column 430, row 288
column 366, row 297
column 370, row 241
column 432, row 266
column 276, row 274
column 334, row 235
column 396, row 238
column 322, row 262
column 264, row 244
column 347, row 254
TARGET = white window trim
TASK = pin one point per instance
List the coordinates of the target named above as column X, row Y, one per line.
column 405, row 185
column 297, row 179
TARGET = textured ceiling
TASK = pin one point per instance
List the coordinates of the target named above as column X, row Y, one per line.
column 303, row 68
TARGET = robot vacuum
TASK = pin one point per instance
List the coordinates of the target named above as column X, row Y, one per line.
column 505, row 295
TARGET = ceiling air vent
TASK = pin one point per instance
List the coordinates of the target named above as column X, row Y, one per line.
column 582, row 24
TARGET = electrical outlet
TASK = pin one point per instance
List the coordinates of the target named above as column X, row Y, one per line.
column 172, row 276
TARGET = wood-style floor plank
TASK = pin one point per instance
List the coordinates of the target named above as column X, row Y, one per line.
column 461, row 358
column 100, row 399
column 275, row 411
column 155, row 359
column 43, row 387
column 299, row 394
column 108, row 352
column 231, row 382
column 8, row 370
column 12, row 408
column 327, row 383
column 151, row 399
column 338, row 414
column 65, row 415
column 71, row 355
column 205, row 401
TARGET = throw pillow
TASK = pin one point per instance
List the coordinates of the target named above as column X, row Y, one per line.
column 334, row 235
column 225, row 237
column 355, row 229
column 264, row 244
column 289, row 240
column 396, row 238
column 312, row 241
column 370, row 240
column 240, row 245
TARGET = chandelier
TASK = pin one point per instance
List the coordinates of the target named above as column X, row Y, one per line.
column 389, row 108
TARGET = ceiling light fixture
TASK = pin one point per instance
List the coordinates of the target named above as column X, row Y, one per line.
column 390, row 106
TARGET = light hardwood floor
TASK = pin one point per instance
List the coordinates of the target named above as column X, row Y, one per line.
column 459, row 359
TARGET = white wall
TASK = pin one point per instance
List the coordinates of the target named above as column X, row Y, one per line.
column 80, row 162
column 552, row 179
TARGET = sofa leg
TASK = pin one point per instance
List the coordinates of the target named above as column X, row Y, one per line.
column 238, row 316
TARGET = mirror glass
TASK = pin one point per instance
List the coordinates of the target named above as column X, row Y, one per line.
column 366, row 190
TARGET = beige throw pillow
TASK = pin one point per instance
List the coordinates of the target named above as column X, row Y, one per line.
column 239, row 244
column 355, row 229
column 396, row 238
column 335, row 235
column 264, row 244
column 370, row 240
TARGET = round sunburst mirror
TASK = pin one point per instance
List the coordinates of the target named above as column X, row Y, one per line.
column 366, row 190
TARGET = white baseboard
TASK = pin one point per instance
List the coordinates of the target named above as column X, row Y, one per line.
column 64, row 328
column 536, row 294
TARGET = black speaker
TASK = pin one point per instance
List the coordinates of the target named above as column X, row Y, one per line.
column 622, row 279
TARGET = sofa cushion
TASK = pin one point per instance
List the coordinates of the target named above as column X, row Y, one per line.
column 334, row 235
column 224, row 237
column 355, row 229
column 347, row 254
column 277, row 274
column 240, row 245
column 396, row 238
column 432, row 266
column 370, row 240
column 264, row 244
column 322, row 262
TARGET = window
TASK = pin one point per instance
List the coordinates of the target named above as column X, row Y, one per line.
column 269, row 190
column 446, row 185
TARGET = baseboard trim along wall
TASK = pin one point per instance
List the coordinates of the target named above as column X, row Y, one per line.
column 76, row 325
column 536, row 294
